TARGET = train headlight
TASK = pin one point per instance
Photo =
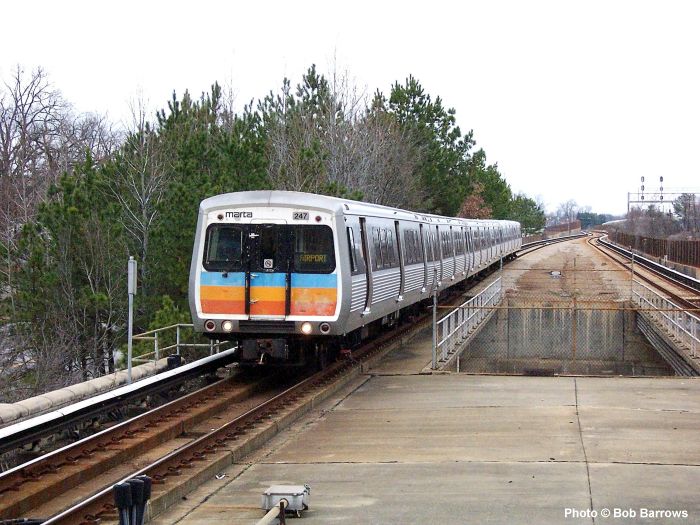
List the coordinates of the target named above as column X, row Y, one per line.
column 227, row 326
column 306, row 328
column 325, row 328
column 209, row 326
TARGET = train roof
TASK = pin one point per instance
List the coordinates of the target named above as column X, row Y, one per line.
column 335, row 205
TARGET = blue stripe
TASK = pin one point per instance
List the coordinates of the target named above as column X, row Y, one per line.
column 299, row 280
column 314, row 280
column 217, row 279
column 268, row 279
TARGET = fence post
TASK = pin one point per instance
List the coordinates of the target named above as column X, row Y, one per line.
column 155, row 347
column 632, row 278
column 177, row 339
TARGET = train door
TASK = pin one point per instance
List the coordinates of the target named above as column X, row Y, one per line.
column 424, row 251
column 483, row 245
column 437, row 251
column 467, row 251
column 470, row 248
column 268, row 272
column 368, row 262
column 399, row 247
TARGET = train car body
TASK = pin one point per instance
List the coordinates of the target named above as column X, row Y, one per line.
column 294, row 277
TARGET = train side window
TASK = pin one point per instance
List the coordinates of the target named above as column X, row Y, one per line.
column 414, row 247
column 377, row 255
column 428, row 247
column 408, row 246
column 351, row 250
column 382, row 244
column 390, row 248
column 417, row 255
column 360, row 261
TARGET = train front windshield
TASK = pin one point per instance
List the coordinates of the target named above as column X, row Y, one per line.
column 269, row 248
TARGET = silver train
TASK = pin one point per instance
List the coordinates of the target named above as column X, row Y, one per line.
column 295, row 278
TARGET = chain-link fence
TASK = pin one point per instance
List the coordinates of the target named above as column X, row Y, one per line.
column 565, row 337
column 495, row 332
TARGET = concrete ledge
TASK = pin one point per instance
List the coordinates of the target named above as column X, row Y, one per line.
column 11, row 413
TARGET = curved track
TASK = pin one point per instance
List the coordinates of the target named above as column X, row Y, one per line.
column 653, row 274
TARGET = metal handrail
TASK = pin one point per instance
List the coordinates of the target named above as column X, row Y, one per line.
column 155, row 335
column 679, row 323
column 453, row 328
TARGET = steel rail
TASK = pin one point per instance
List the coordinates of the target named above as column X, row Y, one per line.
column 680, row 279
column 652, row 267
column 73, row 462
column 99, row 505
column 31, row 430
column 536, row 245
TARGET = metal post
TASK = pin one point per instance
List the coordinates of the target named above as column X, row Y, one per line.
column 131, row 284
column 155, row 347
column 632, row 278
column 177, row 340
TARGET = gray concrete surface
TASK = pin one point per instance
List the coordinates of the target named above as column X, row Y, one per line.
column 400, row 447
column 454, row 448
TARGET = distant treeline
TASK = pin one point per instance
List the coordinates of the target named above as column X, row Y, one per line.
column 79, row 197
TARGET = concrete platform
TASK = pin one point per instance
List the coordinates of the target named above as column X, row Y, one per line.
column 454, row 448
column 399, row 446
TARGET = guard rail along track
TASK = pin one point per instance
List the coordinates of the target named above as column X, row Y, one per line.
column 680, row 279
column 30, row 430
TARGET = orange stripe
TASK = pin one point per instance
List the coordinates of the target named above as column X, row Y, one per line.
column 313, row 301
column 315, row 308
column 267, row 308
column 213, row 306
column 314, row 294
column 267, row 293
column 227, row 293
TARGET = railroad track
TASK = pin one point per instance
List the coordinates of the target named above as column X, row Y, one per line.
column 39, row 484
column 536, row 245
column 657, row 278
column 190, row 440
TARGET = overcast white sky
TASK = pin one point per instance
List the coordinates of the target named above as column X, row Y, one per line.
column 574, row 100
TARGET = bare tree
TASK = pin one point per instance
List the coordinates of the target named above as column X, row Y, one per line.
column 140, row 180
column 325, row 139
column 30, row 116
column 566, row 212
